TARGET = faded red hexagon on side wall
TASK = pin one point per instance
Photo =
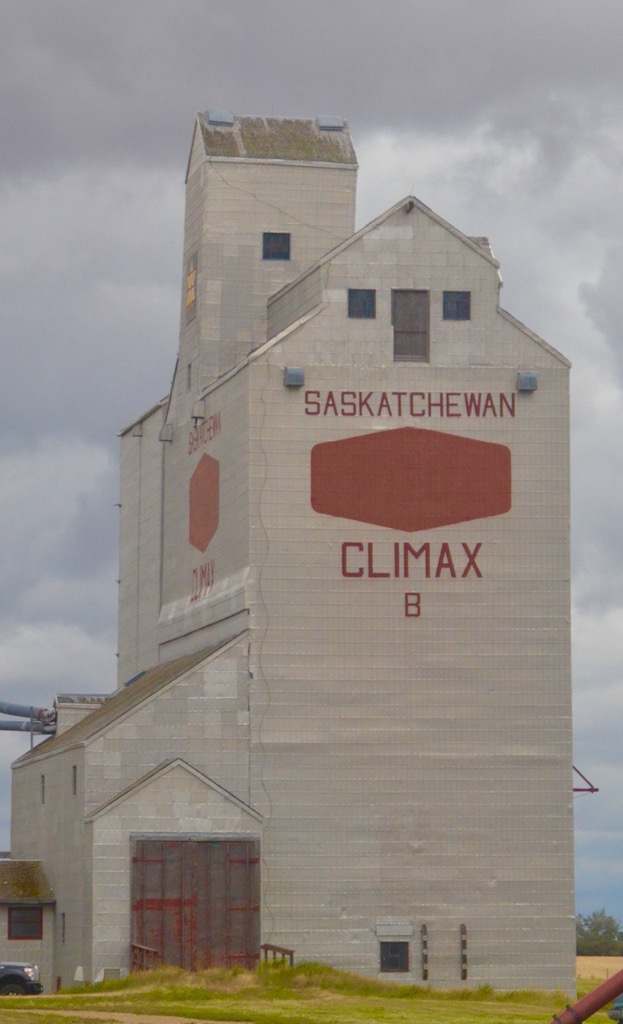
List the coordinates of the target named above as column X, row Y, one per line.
column 204, row 502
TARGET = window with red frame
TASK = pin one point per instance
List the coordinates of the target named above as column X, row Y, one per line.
column 25, row 922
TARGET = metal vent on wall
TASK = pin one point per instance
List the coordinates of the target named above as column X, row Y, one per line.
column 294, row 376
column 526, row 381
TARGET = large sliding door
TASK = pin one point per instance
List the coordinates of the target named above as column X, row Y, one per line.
column 197, row 902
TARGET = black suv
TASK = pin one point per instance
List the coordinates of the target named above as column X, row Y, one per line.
column 18, row 979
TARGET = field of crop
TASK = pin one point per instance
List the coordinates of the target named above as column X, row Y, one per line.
column 601, row 967
column 306, row 994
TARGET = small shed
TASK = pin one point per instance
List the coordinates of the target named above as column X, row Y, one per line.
column 27, row 916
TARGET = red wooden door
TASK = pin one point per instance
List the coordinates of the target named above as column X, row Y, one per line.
column 197, row 902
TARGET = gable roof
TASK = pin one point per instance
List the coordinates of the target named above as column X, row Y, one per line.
column 479, row 245
column 275, row 138
column 122, row 702
column 163, row 769
column 24, row 881
column 409, row 203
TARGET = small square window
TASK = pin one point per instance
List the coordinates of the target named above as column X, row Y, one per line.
column 395, row 956
column 276, row 245
column 457, row 305
column 361, row 303
column 25, row 922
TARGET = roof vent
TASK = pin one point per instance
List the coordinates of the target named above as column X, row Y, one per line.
column 330, row 124
column 220, row 117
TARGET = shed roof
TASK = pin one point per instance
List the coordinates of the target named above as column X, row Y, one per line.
column 121, row 702
column 24, row 881
column 277, row 138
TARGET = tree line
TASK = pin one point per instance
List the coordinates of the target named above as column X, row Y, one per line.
column 598, row 934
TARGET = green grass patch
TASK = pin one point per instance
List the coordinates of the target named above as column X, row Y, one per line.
column 276, row 994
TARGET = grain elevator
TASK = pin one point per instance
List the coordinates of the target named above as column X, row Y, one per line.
column 343, row 722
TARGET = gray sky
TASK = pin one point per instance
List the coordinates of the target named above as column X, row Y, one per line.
column 505, row 118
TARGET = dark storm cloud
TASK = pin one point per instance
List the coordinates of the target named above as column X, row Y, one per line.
column 504, row 117
column 60, row 525
column 89, row 299
column 93, row 83
column 603, row 301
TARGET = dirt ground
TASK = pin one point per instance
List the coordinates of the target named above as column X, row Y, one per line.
column 599, row 967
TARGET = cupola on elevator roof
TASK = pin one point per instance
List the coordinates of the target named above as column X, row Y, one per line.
column 324, row 139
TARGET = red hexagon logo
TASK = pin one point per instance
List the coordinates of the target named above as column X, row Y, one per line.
column 410, row 479
column 204, row 502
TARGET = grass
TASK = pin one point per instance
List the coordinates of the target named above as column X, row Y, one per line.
column 305, row 994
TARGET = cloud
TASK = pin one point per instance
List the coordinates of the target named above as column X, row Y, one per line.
column 91, row 84
column 603, row 298
column 505, row 119
column 56, row 655
column 54, row 506
column 89, row 300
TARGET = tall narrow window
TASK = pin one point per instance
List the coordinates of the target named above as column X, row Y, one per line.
column 276, row 245
column 42, row 788
column 190, row 301
column 62, row 927
column 74, row 779
column 410, row 318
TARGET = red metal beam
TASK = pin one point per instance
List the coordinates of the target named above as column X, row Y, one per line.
column 588, row 788
column 594, row 1001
